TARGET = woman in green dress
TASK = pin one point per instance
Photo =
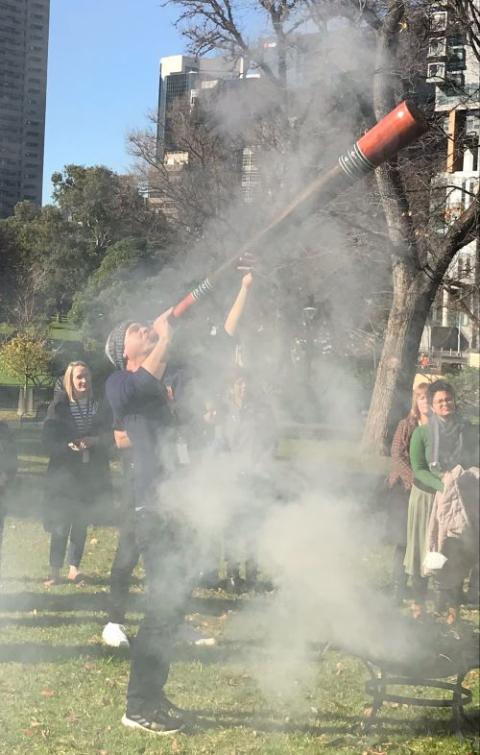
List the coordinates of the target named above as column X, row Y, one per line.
column 435, row 449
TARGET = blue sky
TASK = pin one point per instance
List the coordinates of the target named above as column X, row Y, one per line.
column 102, row 78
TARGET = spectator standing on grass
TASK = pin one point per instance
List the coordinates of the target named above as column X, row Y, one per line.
column 435, row 449
column 8, row 470
column 448, row 441
column 399, row 483
column 78, row 475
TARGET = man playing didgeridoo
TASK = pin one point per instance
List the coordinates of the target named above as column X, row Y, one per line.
column 139, row 403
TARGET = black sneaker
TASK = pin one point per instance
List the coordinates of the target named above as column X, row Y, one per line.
column 157, row 723
column 171, row 710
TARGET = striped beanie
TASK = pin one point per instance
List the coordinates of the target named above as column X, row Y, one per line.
column 116, row 344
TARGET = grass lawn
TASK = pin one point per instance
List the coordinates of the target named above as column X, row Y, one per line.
column 62, row 691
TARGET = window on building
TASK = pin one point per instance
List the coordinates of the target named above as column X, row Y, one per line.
column 456, row 56
column 437, row 47
column 438, row 21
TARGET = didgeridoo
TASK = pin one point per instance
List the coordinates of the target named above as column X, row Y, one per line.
column 382, row 142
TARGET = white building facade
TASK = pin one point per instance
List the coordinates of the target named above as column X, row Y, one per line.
column 454, row 70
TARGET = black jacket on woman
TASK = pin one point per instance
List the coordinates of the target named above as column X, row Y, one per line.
column 72, row 484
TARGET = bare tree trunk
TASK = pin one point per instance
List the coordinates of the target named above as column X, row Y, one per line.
column 413, row 295
column 412, row 300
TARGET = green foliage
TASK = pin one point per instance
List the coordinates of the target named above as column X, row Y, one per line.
column 47, row 262
column 26, row 357
column 100, row 229
column 106, row 206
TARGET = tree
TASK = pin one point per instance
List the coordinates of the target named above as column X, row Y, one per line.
column 419, row 262
column 26, row 357
column 195, row 189
column 48, row 261
column 48, row 254
column 104, row 206
column 393, row 36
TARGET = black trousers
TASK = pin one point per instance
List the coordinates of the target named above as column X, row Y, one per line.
column 126, row 558
column 167, row 557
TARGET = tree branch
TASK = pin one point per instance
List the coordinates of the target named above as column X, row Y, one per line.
column 460, row 233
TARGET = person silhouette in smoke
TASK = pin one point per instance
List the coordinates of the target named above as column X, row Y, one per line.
column 139, row 401
column 248, row 435
column 221, row 349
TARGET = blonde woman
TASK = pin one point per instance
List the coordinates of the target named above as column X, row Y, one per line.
column 78, row 476
column 400, row 483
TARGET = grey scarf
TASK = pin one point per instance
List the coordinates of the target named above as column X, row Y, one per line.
column 446, row 442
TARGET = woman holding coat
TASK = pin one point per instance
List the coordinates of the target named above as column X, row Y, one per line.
column 78, row 476
column 446, row 441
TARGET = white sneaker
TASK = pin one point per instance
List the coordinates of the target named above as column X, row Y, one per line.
column 115, row 635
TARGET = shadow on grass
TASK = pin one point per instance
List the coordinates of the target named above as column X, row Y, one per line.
column 51, row 621
column 97, row 601
column 36, row 652
column 88, row 579
column 36, row 601
column 343, row 727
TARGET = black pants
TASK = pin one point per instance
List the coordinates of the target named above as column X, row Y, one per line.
column 167, row 558
column 77, row 531
column 126, row 558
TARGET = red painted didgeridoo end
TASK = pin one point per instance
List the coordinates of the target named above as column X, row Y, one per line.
column 397, row 130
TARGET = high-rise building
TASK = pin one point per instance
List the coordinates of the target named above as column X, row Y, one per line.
column 23, row 80
column 454, row 70
column 181, row 79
